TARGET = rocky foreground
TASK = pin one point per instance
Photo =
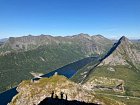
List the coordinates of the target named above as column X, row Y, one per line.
column 56, row 87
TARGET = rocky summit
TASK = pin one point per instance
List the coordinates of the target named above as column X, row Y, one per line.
column 124, row 52
column 117, row 72
column 56, row 88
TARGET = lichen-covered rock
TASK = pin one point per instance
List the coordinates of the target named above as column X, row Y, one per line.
column 32, row 93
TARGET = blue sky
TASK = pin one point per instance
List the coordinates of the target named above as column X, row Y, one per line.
column 111, row 18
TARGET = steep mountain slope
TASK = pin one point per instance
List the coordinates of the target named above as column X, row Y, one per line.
column 2, row 41
column 89, row 44
column 118, row 72
column 137, row 44
column 54, row 88
column 22, row 55
column 17, row 67
column 124, row 52
column 84, row 72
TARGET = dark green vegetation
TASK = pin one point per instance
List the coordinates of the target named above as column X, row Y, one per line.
column 43, row 54
column 130, row 77
column 15, row 67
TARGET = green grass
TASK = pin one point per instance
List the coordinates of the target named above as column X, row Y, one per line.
column 131, row 77
column 109, row 100
column 15, row 67
column 125, row 100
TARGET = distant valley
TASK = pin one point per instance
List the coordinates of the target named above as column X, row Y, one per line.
column 22, row 55
column 115, row 69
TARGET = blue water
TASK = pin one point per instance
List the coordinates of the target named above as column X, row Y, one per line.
column 7, row 96
column 68, row 71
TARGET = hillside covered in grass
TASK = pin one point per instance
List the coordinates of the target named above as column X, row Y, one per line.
column 21, row 56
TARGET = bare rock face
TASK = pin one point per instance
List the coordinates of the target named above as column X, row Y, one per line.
column 28, row 42
column 122, row 53
column 35, row 92
column 89, row 44
column 32, row 93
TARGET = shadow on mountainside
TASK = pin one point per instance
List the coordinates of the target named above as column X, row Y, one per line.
column 56, row 101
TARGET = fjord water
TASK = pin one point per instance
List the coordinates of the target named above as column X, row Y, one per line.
column 68, row 71
column 7, row 96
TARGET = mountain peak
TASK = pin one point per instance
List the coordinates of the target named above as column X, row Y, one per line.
column 99, row 35
column 83, row 35
column 123, row 38
column 122, row 53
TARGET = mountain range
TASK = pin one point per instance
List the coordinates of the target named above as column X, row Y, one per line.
column 113, row 71
column 22, row 55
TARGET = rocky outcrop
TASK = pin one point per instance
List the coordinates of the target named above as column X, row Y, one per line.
column 104, row 83
column 32, row 93
column 123, row 52
column 57, row 87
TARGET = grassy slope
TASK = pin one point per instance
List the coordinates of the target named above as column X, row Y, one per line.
column 130, row 77
column 16, row 67
column 125, row 100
